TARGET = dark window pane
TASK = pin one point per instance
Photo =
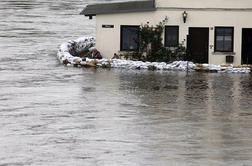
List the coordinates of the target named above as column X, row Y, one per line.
column 129, row 38
column 229, row 31
column 219, row 45
column 220, row 31
column 171, row 36
column 224, row 39
column 227, row 45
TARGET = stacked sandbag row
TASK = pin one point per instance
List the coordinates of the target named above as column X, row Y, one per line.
column 68, row 52
column 68, row 55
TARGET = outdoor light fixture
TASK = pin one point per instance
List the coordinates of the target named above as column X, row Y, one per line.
column 185, row 14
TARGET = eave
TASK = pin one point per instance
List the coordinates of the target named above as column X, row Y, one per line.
column 119, row 7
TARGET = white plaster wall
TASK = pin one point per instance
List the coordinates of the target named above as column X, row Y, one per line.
column 108, row 40
column 205, row 3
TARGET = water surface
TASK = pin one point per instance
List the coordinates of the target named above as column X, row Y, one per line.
column 55, row 115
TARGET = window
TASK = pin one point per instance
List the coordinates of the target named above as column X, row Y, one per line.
column 129, row 38
column 224, row 37
column 171, row 36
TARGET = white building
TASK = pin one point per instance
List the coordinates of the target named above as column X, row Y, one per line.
column 211, row 30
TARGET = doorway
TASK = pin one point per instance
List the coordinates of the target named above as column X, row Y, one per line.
column 247, row 46
column 197, row 44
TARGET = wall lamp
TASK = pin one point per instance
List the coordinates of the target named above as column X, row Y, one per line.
column 184, row 15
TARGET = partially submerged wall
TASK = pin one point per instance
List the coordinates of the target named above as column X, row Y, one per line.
column 108, row 39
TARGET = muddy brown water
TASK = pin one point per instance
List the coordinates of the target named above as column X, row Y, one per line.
column 56, row 115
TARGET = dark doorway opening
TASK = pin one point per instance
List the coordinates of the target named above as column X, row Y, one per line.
column 247, row 46
column 197, row 44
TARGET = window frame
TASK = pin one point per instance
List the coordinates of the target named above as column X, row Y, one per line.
column 215, row 39
column 165, row 36
column 121, row 37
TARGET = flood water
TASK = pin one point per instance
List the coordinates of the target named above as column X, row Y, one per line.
column 54, row 115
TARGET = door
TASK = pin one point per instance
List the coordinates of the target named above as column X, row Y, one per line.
column 197, row 43
column 247, row 46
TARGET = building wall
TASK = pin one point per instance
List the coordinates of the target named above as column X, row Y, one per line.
column 108, row 39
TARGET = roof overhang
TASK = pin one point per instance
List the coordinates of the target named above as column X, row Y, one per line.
column 119, row 7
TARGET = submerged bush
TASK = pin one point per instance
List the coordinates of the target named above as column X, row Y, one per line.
column 170, row 54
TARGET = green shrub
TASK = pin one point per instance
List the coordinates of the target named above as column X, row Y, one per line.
column 137, row 56
column 151, row 47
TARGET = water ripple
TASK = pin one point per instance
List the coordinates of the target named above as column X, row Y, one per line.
column 56, row 115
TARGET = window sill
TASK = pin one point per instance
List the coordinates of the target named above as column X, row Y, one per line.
column 128, row 50
column 223, row 53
